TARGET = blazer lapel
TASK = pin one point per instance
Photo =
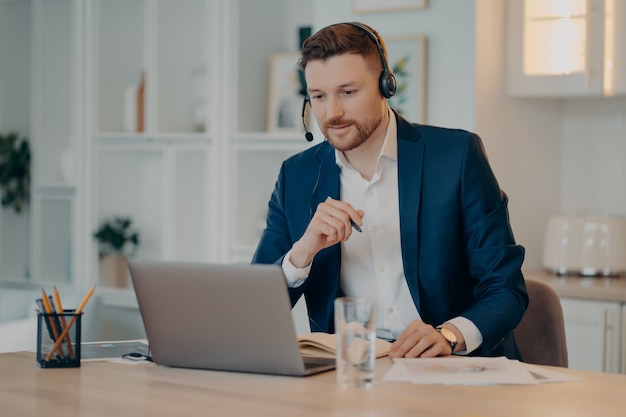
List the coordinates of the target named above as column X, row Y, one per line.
column 410, row 167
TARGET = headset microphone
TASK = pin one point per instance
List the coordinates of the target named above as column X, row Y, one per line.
column 307, row 135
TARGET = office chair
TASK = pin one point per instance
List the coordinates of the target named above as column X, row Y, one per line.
column 540, row 335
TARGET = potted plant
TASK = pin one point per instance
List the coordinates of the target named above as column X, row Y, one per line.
column 14, row 171
column 117, row 240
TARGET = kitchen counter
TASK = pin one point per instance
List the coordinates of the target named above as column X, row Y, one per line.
column 576, row 286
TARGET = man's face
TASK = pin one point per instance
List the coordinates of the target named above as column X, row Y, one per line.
column 345, row 99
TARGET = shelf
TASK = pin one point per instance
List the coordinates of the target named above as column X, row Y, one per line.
column 66, row 191
column 118, row 297
column 266, row 137
column 153, row 69
column 155, row 139
column 284, row 143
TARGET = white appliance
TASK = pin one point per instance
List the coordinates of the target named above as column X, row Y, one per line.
column 588, row 245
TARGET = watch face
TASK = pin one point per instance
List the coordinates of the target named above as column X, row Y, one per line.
column 448, row 334
column 450, row 337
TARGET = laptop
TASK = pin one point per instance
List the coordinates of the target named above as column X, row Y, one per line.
column 226, row 317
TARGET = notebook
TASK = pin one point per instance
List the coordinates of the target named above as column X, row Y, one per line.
column 228, row 317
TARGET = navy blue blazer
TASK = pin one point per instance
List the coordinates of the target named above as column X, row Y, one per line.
column 459, row 254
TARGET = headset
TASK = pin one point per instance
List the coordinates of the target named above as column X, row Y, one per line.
column 386, row 82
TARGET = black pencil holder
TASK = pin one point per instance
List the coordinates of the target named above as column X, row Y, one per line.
column 50, row 329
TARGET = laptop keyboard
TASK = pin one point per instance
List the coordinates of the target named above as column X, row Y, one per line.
column 310, row 363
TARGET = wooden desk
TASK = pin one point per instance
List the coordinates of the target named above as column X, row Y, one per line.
column 116, row 390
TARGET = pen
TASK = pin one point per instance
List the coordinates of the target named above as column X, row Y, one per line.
column 59, row 308
column 42, row 310
column 48, row 309
column 77, row 313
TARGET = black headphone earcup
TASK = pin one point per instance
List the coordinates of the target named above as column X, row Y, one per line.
column 387, row 84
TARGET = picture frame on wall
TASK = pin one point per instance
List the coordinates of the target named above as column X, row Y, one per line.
column 379, row 6
column 408, row 62
column 284, row 110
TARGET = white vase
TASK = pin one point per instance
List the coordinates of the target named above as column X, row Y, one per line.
column 114, row 271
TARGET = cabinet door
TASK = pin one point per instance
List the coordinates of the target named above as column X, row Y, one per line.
column 255, row 151
column 40, row 75
column 555, row 48
column 119, row 59
column 592, row 329
column 57, row 110
column 15, row 112
column 153, row 63
column 179, row 66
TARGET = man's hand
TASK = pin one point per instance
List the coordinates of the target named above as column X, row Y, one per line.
column 421, row 340
column 330, row 224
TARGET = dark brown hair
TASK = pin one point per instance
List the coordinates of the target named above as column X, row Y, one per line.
column 342, row 38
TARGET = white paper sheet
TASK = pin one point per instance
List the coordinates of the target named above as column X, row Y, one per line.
column 471, row 371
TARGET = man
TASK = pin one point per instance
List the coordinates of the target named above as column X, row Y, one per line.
column 436, row 248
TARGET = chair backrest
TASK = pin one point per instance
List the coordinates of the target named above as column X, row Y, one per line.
column 540, row 335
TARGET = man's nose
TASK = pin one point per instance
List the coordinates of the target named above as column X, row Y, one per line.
column 334, row 109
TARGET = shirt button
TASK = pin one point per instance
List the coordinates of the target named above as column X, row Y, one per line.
column 390, row 310
column 374, row 229
column 381, row 269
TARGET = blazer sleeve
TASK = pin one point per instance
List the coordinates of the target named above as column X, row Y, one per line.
column 494, row 258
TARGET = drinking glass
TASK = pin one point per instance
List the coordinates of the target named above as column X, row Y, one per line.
column 355, row 327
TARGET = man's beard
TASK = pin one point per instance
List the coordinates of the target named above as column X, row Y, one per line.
column 347, row 143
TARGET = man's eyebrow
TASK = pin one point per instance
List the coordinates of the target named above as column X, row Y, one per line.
column 350, row 84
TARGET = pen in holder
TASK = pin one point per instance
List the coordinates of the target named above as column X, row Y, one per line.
column 58, row 339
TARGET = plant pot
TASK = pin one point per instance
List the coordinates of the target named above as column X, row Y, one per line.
column 114, row 271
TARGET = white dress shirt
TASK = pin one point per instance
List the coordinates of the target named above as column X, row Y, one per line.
column 371, row 261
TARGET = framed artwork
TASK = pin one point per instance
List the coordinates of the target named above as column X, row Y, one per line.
column 407, row 60
column 286, row 85
column 377, row 6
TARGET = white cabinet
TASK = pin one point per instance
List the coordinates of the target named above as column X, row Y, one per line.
column 594, row 333
column 191, row 163
column 40, row 76
column 197, row 180
column 15, row 105
column 57, row 111
column 566, row 48
column 254, row 154
column 154, row 153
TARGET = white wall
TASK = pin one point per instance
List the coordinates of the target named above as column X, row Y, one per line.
column 593, row 165
column 522, row 136
column 550, row 155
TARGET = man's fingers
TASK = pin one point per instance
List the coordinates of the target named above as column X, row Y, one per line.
column 419, row 340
